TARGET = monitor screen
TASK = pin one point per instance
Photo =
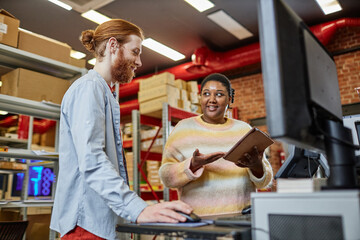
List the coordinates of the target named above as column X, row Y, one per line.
column 300, row 78
column 302, row 163
column 353, row 122
column 39, row 185
column 302, row 95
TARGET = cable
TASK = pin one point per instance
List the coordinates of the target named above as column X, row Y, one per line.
column 309, row 166
column 272, row 237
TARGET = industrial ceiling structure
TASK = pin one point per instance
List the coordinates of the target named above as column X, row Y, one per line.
column 174, row 23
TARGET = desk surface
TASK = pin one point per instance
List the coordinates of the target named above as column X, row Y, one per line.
column 205, row 232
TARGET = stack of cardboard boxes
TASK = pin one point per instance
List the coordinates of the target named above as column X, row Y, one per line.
column 152, row 169
column 156, row 90
column 130, row 167
column 161, row 88
column 189, row 96
column 28, row 84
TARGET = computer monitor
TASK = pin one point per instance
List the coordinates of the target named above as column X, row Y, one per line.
column 302, row 91
column 353, row 122
column 39, row 185
column 302, row 163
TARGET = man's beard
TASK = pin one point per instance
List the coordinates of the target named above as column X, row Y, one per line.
column 121, row 71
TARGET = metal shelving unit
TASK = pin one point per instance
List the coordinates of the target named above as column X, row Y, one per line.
column 26, row 204
column 16, row 143
column 26, row 154
column 33, row 109
column 15, row 58
column 170, row 116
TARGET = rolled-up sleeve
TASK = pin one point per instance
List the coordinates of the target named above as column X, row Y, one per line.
column 267, row 177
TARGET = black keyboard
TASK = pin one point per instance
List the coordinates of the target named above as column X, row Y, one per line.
column 238, row 220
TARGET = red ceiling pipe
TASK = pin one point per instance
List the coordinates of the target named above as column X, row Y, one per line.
column 207, row 61
column 325, row 31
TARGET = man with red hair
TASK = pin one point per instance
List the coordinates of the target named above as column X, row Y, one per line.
column 92, row 191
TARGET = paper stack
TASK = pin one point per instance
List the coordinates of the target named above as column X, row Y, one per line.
column 300, row 185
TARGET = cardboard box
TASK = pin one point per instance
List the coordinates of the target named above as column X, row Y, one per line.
column 39, row 226
column 48, row 138
column 32, row 85
column 9, row 28
column 154, row 107
column 81, row 63
column 44, row 46
column 184, row 95
column 192, row 86
column 12, row 165
column 160, row 91
column 194, row 97
column 10, row 215
column 186, row 105
column 156, row 80
column 181, row 84
column 195, row 108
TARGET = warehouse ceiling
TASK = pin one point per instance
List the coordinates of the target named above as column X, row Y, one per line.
column 172, row 22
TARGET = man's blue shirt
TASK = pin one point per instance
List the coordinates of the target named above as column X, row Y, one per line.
column 92, row 190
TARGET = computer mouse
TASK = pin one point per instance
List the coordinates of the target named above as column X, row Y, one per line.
column 192, row 217
column 246, row 210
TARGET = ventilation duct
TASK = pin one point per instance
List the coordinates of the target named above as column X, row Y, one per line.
column 207, row 61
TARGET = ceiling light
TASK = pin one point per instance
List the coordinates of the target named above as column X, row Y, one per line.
column 3, row 113
column 229, row 24
column 329, row 6
column 77, row 55
column 92, row 61
column 95, row 16
column 61, row 4
column 200, row 5
column 162, row 49
column 82, row 6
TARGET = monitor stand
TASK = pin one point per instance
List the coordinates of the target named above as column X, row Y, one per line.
column 341, row 157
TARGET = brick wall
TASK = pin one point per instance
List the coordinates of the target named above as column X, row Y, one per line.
column 249, row 95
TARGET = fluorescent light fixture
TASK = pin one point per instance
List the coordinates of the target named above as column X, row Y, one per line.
column 77, row 55
column 24, row 30
column 200, row 5
column 162, row 49
column 61, row 4
column 95, row 16
column 92, row 61
column 229, row 24
column 329, row 6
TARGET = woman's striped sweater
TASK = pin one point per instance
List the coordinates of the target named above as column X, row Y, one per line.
column 218, row 187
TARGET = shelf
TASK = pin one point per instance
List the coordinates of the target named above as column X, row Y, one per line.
column 176, row 114
column 26, row 203
column 29, row 107
column 16, row 58
column 43, row 164
column 11, row 142
column 26, row 154
column 10, row 171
